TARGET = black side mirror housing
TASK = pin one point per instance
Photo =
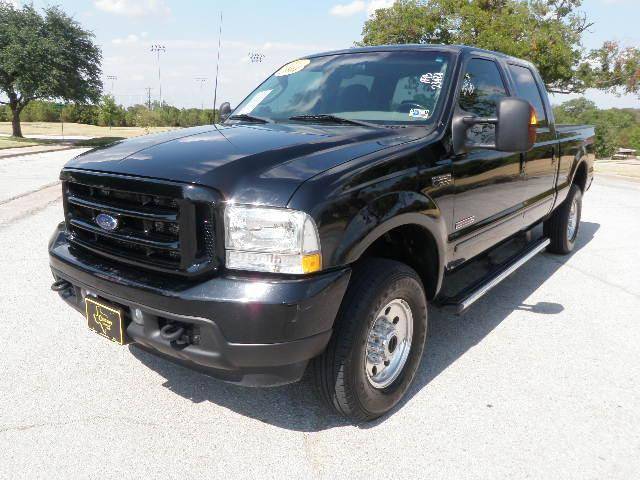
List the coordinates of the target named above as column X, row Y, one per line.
column 225, row 111
column 515, row 127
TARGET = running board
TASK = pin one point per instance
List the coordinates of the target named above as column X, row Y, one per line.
column 468, row 296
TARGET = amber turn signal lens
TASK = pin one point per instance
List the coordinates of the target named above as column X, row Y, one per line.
column 534, row 119
column 311, row 263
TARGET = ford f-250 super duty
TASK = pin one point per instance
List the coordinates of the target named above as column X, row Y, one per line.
column 313, row 225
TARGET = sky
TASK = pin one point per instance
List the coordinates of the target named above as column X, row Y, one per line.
column 280, row 30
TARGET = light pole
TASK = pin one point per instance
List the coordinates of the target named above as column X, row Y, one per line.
column 202, row 81
column 158, row 49
column 113, row 79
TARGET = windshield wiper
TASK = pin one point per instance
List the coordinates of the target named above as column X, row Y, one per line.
column 328, row 118
column 248, row 118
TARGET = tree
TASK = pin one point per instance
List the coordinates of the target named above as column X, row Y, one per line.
column 614, row 127
column 110, row 113
column 546, row 32
column 605, row 141
column 45, row 56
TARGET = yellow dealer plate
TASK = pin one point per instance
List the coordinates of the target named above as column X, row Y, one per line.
column 105, row 320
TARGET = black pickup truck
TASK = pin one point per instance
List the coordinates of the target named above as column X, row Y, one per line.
column 311, row 228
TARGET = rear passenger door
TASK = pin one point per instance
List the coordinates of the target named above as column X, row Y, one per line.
column 540, row 162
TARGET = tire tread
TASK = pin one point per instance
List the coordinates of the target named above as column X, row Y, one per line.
column 329, row 368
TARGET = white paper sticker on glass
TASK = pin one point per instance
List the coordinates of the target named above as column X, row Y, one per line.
column 419, row 113
column 254, row 102
column 293, row 67
column 467, row 86
column 434, row 80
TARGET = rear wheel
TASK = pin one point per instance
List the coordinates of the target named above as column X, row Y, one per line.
column 377, row 343
column 563, row 225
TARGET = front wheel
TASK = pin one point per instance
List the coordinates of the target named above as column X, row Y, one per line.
column 377, row 343
column 563, row 225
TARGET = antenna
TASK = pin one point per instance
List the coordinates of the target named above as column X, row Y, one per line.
column 215, row 89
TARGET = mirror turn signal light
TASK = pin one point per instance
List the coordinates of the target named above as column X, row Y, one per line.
column 311, row 263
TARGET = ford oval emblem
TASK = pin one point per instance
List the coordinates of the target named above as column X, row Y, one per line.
column 106, row 222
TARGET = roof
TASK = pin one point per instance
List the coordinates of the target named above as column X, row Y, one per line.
column 416, row 47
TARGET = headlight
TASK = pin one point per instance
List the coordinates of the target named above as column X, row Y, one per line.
column 271, row 240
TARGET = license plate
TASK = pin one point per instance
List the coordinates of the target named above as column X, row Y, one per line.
column 105, row 320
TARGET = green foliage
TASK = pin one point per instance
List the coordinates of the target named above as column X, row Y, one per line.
column 38, row 111
column 614, row 127
column 45, row 55
column 546, row 32
column 79, row 113
column 110, row 114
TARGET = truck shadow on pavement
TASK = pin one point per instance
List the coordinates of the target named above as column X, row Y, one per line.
column 296, row 407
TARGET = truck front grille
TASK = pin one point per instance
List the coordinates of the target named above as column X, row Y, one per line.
column 160, row 225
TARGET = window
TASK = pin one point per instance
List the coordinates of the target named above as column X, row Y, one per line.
column 527, row 88
column 417, row 91
column 387, row 88
column 482, row 88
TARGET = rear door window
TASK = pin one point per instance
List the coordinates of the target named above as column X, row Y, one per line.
column 527, row 88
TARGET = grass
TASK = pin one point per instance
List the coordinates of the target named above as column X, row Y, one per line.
column 12, row 142
column 79, row 129
column 98, row 141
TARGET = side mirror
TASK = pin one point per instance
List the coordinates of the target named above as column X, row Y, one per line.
column 515, row 127
column 225, row 111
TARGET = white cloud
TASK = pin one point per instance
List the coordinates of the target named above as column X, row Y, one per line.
column 128, row 40
column 348, row 9
column 374, row 5
column 358, row 6
column 134, row 8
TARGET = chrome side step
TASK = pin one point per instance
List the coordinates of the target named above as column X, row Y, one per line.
column 468, row 296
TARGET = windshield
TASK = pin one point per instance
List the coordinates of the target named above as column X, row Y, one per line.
column 387, row 88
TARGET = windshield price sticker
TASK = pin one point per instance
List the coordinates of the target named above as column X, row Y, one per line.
column 255, row 101
column 293, row 67
column 419, row 113
column 434, row 80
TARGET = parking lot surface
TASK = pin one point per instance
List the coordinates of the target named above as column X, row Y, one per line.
column 27, row 172
column 539, row 379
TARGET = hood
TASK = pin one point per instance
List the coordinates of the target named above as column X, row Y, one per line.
column 246, row 163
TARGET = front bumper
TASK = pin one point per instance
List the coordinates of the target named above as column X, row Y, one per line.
column 253, row 330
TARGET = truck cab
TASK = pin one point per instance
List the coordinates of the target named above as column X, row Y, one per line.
column 311, row 228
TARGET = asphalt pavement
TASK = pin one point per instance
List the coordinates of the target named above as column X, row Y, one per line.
column 539, row 379
column 28, row 172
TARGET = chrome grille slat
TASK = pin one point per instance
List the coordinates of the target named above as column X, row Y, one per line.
column 124, row 237
column 141, row 212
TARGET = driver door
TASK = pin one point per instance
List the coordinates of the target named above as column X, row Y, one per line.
column 488, row 184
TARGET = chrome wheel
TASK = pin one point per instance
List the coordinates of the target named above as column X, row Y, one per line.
column 388, row 343
column 572, row 224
